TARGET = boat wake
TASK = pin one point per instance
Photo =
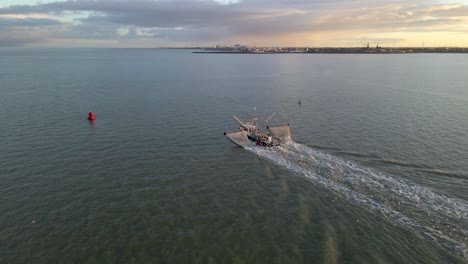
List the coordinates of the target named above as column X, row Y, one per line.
column 440, row 219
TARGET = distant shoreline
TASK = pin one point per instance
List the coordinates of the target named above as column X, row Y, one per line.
column 348, row 51
column 379, row 50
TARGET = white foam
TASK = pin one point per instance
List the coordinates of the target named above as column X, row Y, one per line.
column 440, row 219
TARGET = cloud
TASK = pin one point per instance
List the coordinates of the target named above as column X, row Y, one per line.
column 26, row 36
column 17, row 31
column 27, row 22
column 7, row 41
column 208, row 20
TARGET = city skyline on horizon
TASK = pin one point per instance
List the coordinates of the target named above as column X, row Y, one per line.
column 206, row 23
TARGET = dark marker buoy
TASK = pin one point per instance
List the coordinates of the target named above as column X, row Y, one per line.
column 91, row 116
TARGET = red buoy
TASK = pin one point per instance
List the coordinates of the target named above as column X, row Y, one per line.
column 91, row 116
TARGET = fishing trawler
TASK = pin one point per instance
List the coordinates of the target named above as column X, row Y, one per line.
column 249, row 131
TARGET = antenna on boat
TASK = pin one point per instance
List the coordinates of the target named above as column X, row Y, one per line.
column 254, row 119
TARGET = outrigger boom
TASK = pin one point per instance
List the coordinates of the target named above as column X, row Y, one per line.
column 238, row 120
column 266, row 121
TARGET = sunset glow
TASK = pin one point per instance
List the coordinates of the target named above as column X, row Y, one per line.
column 148, row 23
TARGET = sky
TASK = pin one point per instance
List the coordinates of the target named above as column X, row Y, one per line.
column 261, row 23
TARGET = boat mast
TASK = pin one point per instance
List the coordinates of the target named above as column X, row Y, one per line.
column 254, row 120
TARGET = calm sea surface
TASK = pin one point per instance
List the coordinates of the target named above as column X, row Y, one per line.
column 377, row 171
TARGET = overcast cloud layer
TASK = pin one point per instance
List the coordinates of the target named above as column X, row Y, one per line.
column 149, row 23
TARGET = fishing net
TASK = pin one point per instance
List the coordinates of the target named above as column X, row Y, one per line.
column 239, row 138
column 281, row 132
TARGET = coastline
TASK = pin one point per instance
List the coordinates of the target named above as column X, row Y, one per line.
column 339, row 51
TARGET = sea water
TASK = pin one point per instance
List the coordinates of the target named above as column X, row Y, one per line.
column 376, row 171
